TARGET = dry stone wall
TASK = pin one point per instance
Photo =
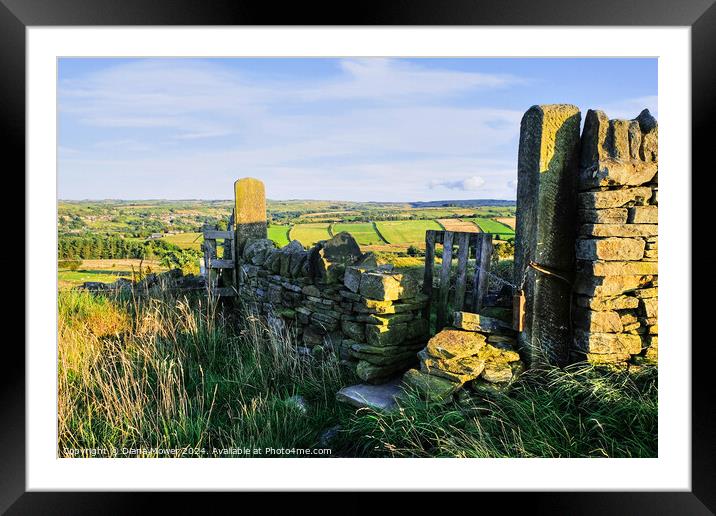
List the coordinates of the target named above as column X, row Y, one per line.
column 615, row 293
column 334, row 298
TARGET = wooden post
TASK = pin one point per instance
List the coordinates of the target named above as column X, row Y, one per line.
column 483, row 257
column 463, row 252
column 444, row 281
column 428, row 273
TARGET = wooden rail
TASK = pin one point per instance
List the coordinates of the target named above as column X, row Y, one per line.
column 215, row 265
column 477, row 245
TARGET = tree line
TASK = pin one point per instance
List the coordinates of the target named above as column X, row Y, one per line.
column 110, row 247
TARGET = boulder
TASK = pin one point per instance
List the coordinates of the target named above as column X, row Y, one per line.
column 617, row 172
column 453, row 343
column 497, row 372
column 373, row 373
column 607, row 303
column 643, row 215
column 376, row 397
column 382, row 286
column 430, row 387
column 604, row 216
column 476, row 322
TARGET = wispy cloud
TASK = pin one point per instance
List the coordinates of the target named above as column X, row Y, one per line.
column 469, row 184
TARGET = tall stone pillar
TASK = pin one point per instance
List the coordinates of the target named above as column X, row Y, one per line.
column 546, row 227
column 249, row 211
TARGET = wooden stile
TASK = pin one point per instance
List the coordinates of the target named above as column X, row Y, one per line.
column 483, row 257
column 444, row 280
column 461, row 283
column 429, row 268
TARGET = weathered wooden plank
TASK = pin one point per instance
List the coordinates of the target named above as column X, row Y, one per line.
column 218, row 263
column 444, row 280
column 463, row 252
column 213, row 234
column 483, row 257
column 429, row 269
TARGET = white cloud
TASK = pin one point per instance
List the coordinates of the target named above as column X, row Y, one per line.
column 469, row 184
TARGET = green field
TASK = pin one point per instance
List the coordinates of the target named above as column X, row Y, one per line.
column 309, row 234
column 363, row 232
column 185, row 240
column 406, row 231
column 278, row 234
column 494, row 227
column 105, row 271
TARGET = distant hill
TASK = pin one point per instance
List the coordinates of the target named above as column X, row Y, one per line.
column 462, row 203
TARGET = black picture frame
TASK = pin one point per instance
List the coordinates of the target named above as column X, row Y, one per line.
column 699, row 15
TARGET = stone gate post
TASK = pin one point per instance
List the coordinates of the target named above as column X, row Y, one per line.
column 546, row 227
column 249, row 211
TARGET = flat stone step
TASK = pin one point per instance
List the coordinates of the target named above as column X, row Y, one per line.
column 376, row 397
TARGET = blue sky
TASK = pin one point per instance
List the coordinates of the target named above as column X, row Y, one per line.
column 371, row 129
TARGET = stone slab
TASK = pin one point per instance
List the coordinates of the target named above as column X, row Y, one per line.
column 376, row 397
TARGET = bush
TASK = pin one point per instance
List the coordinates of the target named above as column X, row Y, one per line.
column 71, row 265
column 415, row 251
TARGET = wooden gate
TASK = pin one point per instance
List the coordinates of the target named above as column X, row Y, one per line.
column 475, row 248
column 215, row 266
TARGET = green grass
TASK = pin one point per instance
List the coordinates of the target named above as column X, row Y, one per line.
column 406, row 231
column 185, row 240
column 310, row 233
column 80, row 276
column 181, row 373
column 496, row 228
column 363, row 232
column 278, row 234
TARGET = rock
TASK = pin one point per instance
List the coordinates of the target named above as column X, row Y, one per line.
column 325, row 440
column 313, row 336
column 353, row 330
column 492, row 353
column 599, row 359
column 502, row 341
column 604, row 216
column 299, row 403
column 458, row 370
column 452, row 343
column 376, row 397
column 432, row 388
column 619, row 230
column 639, row 195
column 256, row 251
column 646, row 292
column 607, row 303
column 650, row 306
column 600, row 322
column 607, row 343
column 643, row 215
column 360, row 347
column 403, row 357
column 477, row 322
column 385, row 335
column 610, row 249
column 616, row 268
column 652, row 351
column 387, row 286
column 351, row 278
column 379, row 373
column 483, row 387
column 497, row 372
column 342, row 248
column 599, row 286
column 617, row 172
column 311, row 290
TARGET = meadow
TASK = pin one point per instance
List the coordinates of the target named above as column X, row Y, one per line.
column 278, row 234
column 406, row 231
column 309, row 234
column 105, row 271
column 185, row 374
column 363, row 232
column 496, row 228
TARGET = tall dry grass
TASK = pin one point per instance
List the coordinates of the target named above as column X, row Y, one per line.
column 179, row 373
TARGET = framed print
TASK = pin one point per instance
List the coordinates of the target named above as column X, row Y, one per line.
column 412, row 250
